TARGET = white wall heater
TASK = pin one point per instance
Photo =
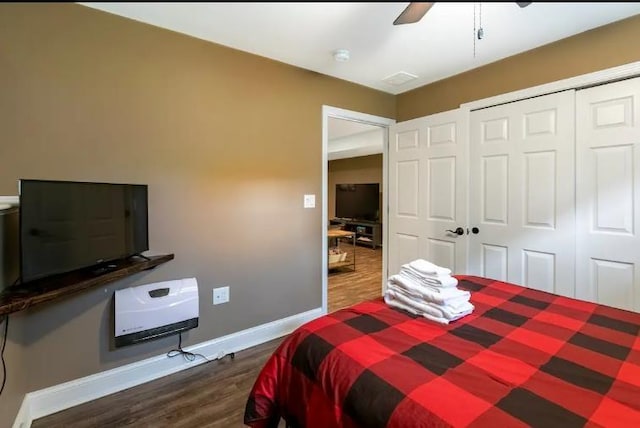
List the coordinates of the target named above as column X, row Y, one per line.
column 155, row 310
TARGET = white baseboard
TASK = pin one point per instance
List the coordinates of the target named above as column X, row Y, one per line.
column 23, row 418
column 50, row 400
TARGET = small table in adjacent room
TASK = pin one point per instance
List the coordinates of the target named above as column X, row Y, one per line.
column 341, row 259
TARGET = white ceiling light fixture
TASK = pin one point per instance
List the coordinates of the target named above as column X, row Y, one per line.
column 341, row 55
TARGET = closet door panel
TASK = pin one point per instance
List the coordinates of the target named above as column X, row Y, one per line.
column 540, row 190
column 427, row 196
column 442, row 188
column 495, row 187
column 445, row 155
column 539, row 268
column 405, row 199
column 521, row 188
column 495, row 260
column 607, row 191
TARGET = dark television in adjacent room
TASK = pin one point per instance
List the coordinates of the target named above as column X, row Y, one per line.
column 66, row 225
column 358, row 201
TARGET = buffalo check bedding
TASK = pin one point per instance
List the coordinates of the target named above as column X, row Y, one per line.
column 522, row 358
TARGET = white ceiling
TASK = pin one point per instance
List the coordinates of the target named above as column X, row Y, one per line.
column 440, row 45
column 341, row 128
column 347, row 139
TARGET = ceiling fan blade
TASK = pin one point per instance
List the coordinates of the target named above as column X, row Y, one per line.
column 412, row 13
column 523, row 3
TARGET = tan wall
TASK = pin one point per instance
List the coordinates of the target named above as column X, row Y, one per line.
column 594, row 50
column 228, row 143
column 361, row 169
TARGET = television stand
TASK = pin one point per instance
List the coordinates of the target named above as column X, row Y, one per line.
column 140, row 255
column 367, row 232
column 22, row 296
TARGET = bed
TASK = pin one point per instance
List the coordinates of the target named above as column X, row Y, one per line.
column 522, row 358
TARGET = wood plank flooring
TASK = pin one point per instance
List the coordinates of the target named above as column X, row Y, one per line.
column 347, row 287
column 211, row 395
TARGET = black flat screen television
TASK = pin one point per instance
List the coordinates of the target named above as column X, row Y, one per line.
column 66, row 225
column 358, row 201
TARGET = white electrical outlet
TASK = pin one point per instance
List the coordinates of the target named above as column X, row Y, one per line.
column 220, row 295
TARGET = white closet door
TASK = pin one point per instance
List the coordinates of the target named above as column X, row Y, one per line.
column 521, row 199
column 427, row 191
column 608, row 186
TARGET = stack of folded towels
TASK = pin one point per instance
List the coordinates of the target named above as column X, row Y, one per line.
column 425, row 289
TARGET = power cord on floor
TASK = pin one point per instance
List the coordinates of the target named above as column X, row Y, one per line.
column 190, row 356
column 4, row 344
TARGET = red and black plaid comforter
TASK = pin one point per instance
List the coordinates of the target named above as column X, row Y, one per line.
column 523, row 358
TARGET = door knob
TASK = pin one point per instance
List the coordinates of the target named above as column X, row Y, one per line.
column 475, row 230
column 458, row 231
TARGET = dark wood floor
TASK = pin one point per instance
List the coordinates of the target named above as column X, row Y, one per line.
column 212, row 394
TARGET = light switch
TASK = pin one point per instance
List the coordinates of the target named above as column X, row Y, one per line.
column 309, row 201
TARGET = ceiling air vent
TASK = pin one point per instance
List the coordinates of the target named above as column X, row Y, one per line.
column 400, row 78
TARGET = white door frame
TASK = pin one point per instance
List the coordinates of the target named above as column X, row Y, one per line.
column 338, row 113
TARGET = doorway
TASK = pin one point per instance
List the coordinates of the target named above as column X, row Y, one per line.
column 349, row 135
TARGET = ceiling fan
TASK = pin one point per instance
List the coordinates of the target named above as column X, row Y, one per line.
column 415, row 11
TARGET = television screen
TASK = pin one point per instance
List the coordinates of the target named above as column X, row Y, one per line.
column 66, row 226
column 358, row 201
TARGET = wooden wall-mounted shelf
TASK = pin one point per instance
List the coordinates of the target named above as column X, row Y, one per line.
column 23, row 296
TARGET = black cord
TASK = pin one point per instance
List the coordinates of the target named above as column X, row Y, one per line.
column 4, row 344
column 189, row 356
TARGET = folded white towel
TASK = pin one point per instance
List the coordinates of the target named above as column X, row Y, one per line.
column 457, row 304
column 428, row 268
column 422, row 307
column 420, row 274
column 443, row 281
column 434, row 281
column 416, row 304
column 391, row 301
column 420, row 289
column 454, row 313
column 443, row 296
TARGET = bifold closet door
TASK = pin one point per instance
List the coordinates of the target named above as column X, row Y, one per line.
column 608, row 186
column 521, row 192
column 427, row 191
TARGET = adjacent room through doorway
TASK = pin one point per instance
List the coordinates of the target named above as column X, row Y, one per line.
column 355, row 211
